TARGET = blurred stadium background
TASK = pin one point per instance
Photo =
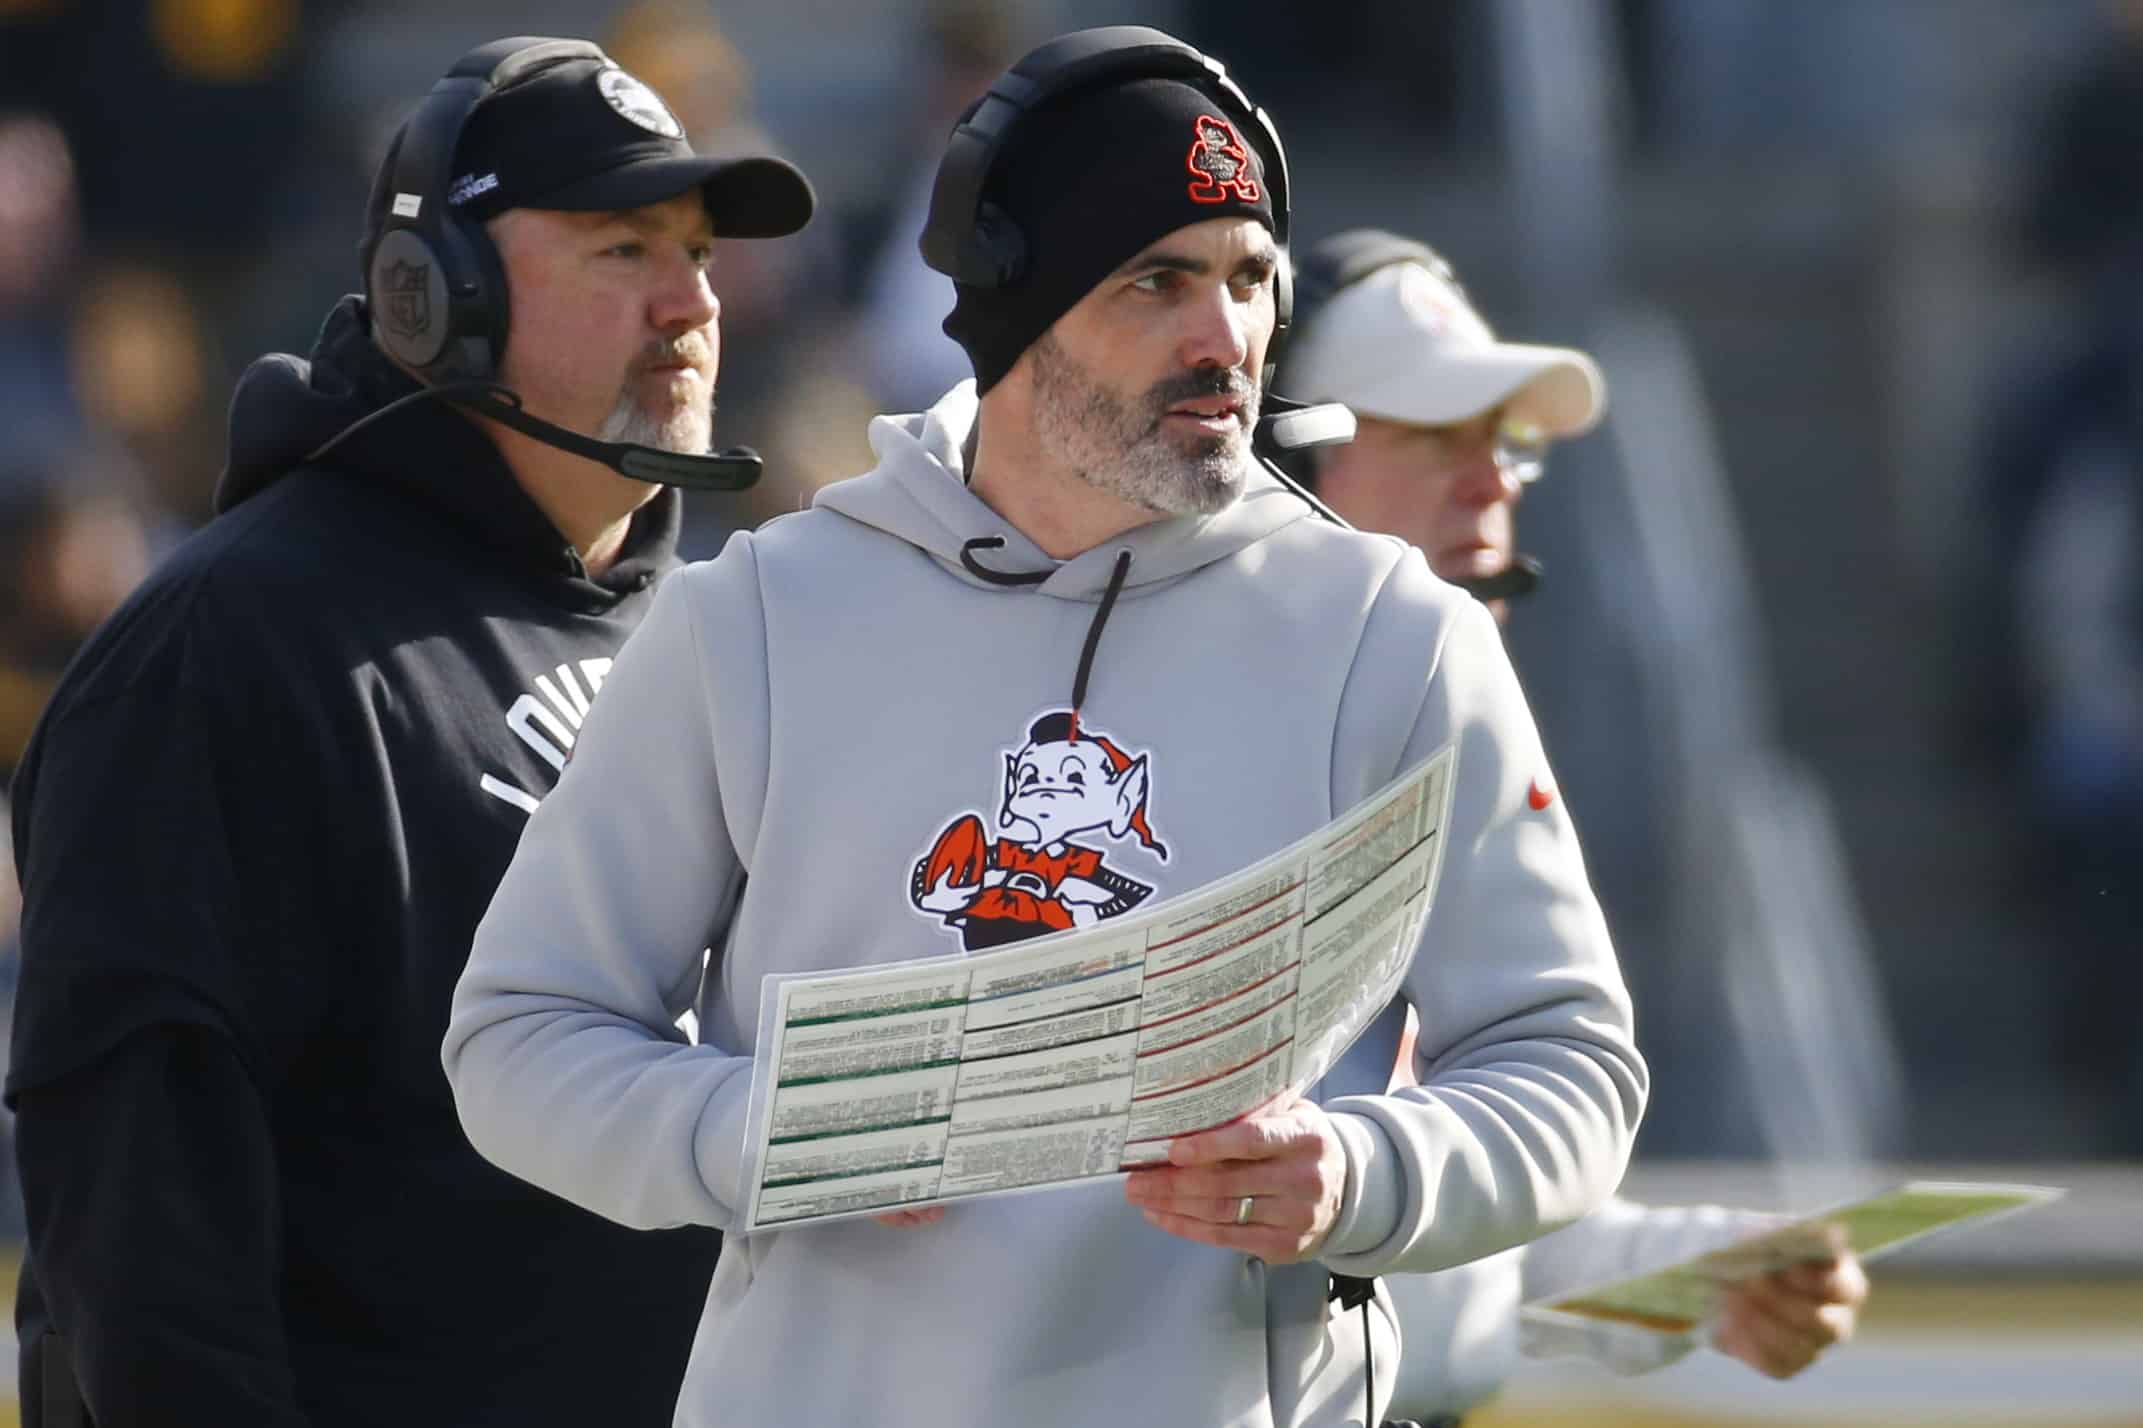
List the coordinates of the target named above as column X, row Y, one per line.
column 1840, row 651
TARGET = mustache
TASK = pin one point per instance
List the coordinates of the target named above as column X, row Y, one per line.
column 1230, row 382
column 692, row 349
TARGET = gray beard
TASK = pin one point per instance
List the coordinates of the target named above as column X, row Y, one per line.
column 689, row 432
column 1118, row 446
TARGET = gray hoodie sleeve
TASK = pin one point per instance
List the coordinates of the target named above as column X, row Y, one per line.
column 1621, row 1239
column 1614, row 1242
column 1531, row 1085
column 567, row 1066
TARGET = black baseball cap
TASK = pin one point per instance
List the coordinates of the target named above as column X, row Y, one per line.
column 582, row 134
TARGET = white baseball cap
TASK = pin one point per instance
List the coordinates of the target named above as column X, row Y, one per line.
column 1404, row 344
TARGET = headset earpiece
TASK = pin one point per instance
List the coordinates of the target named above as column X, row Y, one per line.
column 434, row 284
column 440, row 308
column 406, row 292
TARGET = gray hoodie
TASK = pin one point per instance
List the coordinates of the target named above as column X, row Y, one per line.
column 807, row 730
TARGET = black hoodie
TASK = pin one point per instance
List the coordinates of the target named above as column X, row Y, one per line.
column 256, row 830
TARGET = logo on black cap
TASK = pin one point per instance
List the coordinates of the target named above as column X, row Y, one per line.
column 1219, row 163
column 638, row 103
column 408, row 297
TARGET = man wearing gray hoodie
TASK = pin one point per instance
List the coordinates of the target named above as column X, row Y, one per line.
column 1067, row 649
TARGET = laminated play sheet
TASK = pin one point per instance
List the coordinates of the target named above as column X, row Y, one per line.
column 1083, row 1053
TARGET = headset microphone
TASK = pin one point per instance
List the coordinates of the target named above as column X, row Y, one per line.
column 1296, row 426
column 731, row 470
column 1286, row 428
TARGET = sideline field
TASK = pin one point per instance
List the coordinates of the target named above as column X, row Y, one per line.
column 1987, row 1353
column 1981, row 1352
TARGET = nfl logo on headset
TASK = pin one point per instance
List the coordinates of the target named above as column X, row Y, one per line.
column 407, row 293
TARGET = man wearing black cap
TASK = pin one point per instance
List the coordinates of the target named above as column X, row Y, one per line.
column 271, row 798
column 1066, row 652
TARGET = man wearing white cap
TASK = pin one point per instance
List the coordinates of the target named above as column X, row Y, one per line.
column 1452, row 426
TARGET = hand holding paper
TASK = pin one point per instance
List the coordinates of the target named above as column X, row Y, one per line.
column 1776, row 1317
column 1268, row 1184
column 1779, row 1323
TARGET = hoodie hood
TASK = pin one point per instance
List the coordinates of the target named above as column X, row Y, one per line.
column 918, row 492
column 286, row 407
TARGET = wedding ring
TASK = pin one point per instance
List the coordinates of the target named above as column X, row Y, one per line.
column 1242, row 1209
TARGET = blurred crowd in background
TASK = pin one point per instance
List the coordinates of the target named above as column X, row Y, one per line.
column 1840, row 646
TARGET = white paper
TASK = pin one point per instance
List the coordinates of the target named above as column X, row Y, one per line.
column 1084, row 1053
column 1678, row 1299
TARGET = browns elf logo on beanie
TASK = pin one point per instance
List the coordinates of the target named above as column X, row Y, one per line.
column 1219, row 163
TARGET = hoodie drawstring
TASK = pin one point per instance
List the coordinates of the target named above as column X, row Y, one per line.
column 1117, row 576
column 1093, row 635
column 980, row 571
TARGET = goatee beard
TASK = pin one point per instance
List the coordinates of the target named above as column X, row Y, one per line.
column 688, row 431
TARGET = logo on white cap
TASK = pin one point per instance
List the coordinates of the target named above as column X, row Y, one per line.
column 638, row 103
column 1431, row 303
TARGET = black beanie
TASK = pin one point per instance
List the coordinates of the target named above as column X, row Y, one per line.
column 1090, row 180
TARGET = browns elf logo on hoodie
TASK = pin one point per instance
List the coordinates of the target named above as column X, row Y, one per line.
column 1064, row 782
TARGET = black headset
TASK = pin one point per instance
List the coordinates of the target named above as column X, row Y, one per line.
column 435, row 287
column 975, row 242
column 433, row 280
